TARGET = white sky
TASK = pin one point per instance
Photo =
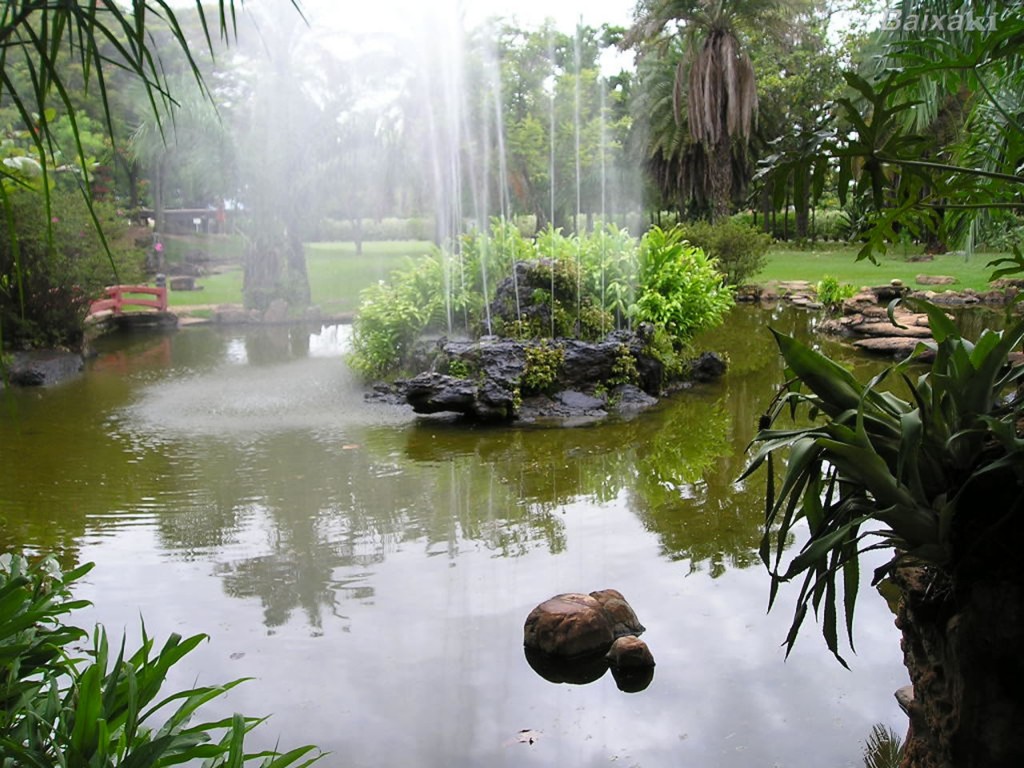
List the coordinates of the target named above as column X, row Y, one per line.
column 374, row 14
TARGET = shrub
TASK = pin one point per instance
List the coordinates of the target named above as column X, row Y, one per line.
column 104, row 709
column 592, row 277
column 680, row 290
column 543, row 363
column 740, row 250
column 49, row 272
column 624, row 368
column 831, row 224
column 832, row 293
column 393, row 314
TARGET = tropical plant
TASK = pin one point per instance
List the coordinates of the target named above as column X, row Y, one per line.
column 680, row 289
column 106, row 707
column 715, row 77
column 392, row 315
column 938, row 479
column 50, row 269
column 543, row 364
column 913, row 177
column 883, row 749
column 832, row 293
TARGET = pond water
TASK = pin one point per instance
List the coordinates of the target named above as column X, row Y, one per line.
column 371, row 570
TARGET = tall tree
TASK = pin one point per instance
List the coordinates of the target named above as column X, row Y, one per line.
column 715, row 77
column 189, row 149
column 285, row 137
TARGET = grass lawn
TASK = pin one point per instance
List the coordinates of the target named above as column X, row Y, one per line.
column 840, row 262
column 336, row 275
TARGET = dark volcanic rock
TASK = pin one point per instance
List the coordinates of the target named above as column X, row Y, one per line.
column 437, row 393
column 494, row 381
column 707, row 367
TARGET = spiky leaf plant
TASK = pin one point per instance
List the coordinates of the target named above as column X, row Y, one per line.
column 60, row 708
column 876, row 471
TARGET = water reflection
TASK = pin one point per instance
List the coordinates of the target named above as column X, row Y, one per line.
column 235, row 482
column 219, row 437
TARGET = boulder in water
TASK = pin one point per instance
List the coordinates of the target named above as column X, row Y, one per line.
column 573, row 624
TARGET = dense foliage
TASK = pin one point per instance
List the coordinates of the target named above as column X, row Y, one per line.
column 104, row 706
column 679, row 288
column 50, row 269
column 915, row 467
column 740, row 251
column 593, row 283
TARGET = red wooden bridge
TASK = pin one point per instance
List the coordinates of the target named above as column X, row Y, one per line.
column 141, row 298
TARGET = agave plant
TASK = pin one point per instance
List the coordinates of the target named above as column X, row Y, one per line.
column 937, row 477
column 877, row 471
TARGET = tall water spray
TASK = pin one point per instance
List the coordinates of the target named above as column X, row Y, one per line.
column 475, row 173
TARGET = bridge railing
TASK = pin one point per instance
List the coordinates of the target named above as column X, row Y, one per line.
column 120, row 296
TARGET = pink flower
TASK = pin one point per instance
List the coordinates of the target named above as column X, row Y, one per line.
column 54, row 220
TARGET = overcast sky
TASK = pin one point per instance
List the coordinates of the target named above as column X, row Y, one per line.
column 374, row 14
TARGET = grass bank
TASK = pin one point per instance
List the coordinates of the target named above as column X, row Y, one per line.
column 337, row 274
column 840, row 262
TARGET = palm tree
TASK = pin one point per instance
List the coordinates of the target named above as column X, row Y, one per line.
column 715, row 78
column 184, row 145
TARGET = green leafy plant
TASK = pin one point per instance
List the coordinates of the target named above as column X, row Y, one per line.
column 878, row 471
column 624, row 369
column 832, row 293
column 458, row 368
column 680, row 289
column 883, row 749
column 543, row 363
column 393, row 314
column 106, row 709
column 50, row 269
column 739, row 250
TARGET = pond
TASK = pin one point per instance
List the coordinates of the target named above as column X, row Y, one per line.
column 371, row 570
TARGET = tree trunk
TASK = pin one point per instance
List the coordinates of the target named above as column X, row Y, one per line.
column 720, row 179
column 357, row 234
column 297, row 280
column 767, row 211
column 964, row 649
column 275, row 268
column 158, row 197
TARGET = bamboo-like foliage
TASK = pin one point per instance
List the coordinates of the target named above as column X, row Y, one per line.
column 875, row 471
column 107, row 708
column 100, row 36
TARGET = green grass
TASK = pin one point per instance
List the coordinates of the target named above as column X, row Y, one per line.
column 222, row 288
column 840, row 261
column 336, row 274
